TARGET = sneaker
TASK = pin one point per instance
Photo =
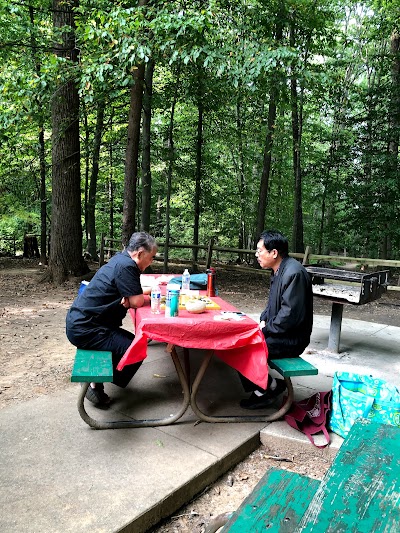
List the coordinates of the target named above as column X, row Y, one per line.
column 97, row 396
column 267, row 399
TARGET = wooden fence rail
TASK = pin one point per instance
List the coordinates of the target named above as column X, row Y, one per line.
column 306, row 258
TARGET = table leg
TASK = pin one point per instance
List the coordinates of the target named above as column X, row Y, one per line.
column 187, row 366
column 235, row 418
column 336, row 327
column 120, row 424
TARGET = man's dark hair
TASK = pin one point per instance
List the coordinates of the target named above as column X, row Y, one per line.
column 274, row 239
column 141, row 239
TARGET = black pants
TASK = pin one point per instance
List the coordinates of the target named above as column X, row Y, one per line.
column 116, row 341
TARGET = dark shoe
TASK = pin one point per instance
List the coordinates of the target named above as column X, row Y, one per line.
column 97, row 396
column 267, row 399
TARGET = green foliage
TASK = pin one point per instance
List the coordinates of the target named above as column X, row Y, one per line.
column 224, row 55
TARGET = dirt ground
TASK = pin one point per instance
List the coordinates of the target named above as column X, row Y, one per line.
column 36, row 359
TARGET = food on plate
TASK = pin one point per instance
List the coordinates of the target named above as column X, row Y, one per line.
column 195, row 305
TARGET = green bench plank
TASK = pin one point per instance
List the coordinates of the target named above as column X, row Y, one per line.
column 276, row 504
column 293, row 367
column 92, row 365
column 361, row 490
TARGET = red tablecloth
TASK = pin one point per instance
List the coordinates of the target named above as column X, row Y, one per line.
column 240, row 343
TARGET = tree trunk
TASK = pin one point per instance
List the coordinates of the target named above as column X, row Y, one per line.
column 132, row 154
column 171, row 158
column 43, row 199
column 269, row 141
column 66, row 227
column 87, row 152
column 297, row 236
column 91, row 207
column 394, row 129
column 132, row 151
column 264, row 183
column 42, row 153
column 146, row 156
column 241, row 178
column 110, row 191
column 199, row 161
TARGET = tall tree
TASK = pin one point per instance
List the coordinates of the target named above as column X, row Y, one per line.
column 146, row 154
column 66, row 226
column 132, row 150
column 269, row 138
column 91, row 204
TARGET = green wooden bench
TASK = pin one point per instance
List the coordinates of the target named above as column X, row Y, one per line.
column 293, row 367
column 360, row 492
column 288, row 368
column 92, row 365
column 96, row 366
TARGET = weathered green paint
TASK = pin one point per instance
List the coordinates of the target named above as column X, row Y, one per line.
column 293, row 367
column 92, row 365
column 361, row 490
column 276, row 504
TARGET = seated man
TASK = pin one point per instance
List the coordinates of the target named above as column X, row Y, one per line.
column 94, row 319
column 287, row 320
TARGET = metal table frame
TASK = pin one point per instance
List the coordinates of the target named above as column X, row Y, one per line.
column 189, row 398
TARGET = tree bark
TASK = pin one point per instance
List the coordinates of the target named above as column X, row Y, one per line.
column 171, row 159
column 132, row 151
column 66, row 227
column 42, row 152
column 91, row 206
column 146, row 155
column 269, row 141
column 199, row 163
column 132, row 154
column 297, row 235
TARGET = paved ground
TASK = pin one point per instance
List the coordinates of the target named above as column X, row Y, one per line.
column 58, row 475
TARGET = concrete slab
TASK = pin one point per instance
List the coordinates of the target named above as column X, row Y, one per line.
column 58, row 475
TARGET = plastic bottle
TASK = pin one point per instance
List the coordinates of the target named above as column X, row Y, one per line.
column 155, row 300
column 185, row 281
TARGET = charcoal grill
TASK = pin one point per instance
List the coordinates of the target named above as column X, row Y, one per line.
column 345, row 287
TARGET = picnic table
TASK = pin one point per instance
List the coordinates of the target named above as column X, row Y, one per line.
column 359, row 493
column 237, row 341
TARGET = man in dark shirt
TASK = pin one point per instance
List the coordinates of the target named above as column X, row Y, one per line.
column 95, row 317
column 287, row 320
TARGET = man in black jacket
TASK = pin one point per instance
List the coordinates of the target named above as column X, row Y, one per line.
column 287, row 320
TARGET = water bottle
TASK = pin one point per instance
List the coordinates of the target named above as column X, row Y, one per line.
column 155, row 299
column 185, row 281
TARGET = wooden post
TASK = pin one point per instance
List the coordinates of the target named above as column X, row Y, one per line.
column 101, row 255
column 306, row 255
column 209, row 252
column 165, row 263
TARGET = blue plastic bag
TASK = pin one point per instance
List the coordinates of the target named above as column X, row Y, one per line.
column 360, row 396
column 197, row 281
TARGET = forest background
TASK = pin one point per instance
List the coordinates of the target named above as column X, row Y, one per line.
column 200, row 119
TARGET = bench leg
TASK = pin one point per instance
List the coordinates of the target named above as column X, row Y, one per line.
column 235, row 418
column 120, row 424
column 218, row 522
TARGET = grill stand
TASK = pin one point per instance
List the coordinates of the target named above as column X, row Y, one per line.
column 336, row 327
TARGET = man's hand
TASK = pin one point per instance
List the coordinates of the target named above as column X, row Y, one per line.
column 261, row 325
column 125, row 302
